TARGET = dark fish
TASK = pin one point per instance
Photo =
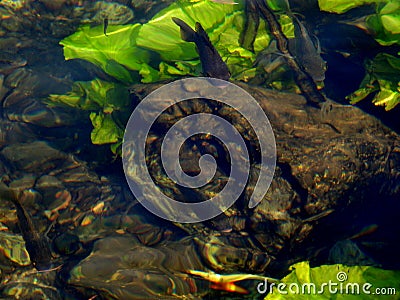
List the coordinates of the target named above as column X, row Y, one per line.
column 306, row 52
column 105, row 26
column 211, row 61
column 36, row 244
column 303, row 80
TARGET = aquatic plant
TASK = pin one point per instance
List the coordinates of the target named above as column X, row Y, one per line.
column 382, row 77
column 314, row 282
column 107, row 104
column 155, row 51
column 116, row 54
column 129, row 49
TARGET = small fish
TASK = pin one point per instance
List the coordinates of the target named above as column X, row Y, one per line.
column 105, row 25
column 306, row 52
column 211, row 62
column 226, row 282
column 36, row 244
column 360, row 23
column 319, row 216
column 365, row 231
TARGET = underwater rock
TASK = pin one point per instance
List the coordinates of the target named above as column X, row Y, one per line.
column 15, row 4
column 115, row 12
column 230, row 253
column 120, row 267
column 66, row 189
column 30, row 284
column 346, row 252
column 12, row 249
column 22, row 17
column 66, row 244
column 25, row 103
column 9, row 64
column 145, row 10
column 13, row 132
column 33, row 157
column 34, row 111
column 328, row 160
column 54, row 5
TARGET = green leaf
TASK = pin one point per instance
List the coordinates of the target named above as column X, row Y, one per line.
column 105, row 130
column 341, row 6
column 128, row 48
column 389, row 95
column 161, row 34
column 390, row 7
column 77, row 97
column 105, row 100
column 94, row 95
column 115, row 53
column 391, row 23
column 279, row 5
column 361, row 94
column 383, row 75
column 385, row 24
column 315, row 282
column 223, row 24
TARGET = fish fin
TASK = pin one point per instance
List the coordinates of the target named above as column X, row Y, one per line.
column 187, row 33
column 201, row 33
column 316, row 43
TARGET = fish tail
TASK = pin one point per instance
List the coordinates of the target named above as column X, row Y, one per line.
column 187, row 33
